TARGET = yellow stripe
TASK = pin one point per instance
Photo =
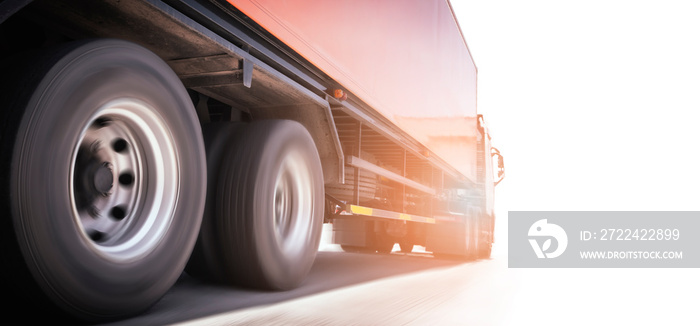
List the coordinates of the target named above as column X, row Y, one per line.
column 360, row 210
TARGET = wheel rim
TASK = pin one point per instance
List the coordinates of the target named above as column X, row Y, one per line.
column 124, row 180
column 293, row 203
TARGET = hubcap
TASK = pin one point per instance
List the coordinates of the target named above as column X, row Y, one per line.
column 103, row 179
column 293, row 203
column 124, row 181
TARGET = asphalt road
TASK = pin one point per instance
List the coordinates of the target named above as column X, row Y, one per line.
column 345, row 289
column 419, row 289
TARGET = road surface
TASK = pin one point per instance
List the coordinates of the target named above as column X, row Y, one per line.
column 346, row 289
column 419, row 289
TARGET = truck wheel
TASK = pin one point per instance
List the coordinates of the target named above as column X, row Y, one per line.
column 485, row 250
column 269, row 206
column 383, row 243
column 205, row 262
column 471, row 250
column 466, row 242
column 106, row 178
column 406, row 245
column 485, row 243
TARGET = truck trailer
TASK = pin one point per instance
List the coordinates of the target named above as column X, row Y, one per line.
column 143, row 139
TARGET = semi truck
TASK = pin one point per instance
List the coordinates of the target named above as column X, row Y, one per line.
column 143, row 139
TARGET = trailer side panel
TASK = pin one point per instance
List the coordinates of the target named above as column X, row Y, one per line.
column 411, row 64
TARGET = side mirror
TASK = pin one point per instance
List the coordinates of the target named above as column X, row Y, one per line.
column 501, row 170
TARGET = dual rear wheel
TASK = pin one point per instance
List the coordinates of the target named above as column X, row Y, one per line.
column 264, row 214
column 104, row 183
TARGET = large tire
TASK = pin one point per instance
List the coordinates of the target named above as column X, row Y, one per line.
column 471, row 241
column 485, row 239
column 106, row 178
column 268, row 208
column 473, row 238
column 383, row 244
column 205, row 262
column 485, row 250
column 380, row 240
column 466, row 243
column 406, row 244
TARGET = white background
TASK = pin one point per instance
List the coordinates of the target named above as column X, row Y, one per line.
column 595, row 106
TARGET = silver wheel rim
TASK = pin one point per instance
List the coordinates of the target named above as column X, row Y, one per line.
column 124, row 180
column 293, row 204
